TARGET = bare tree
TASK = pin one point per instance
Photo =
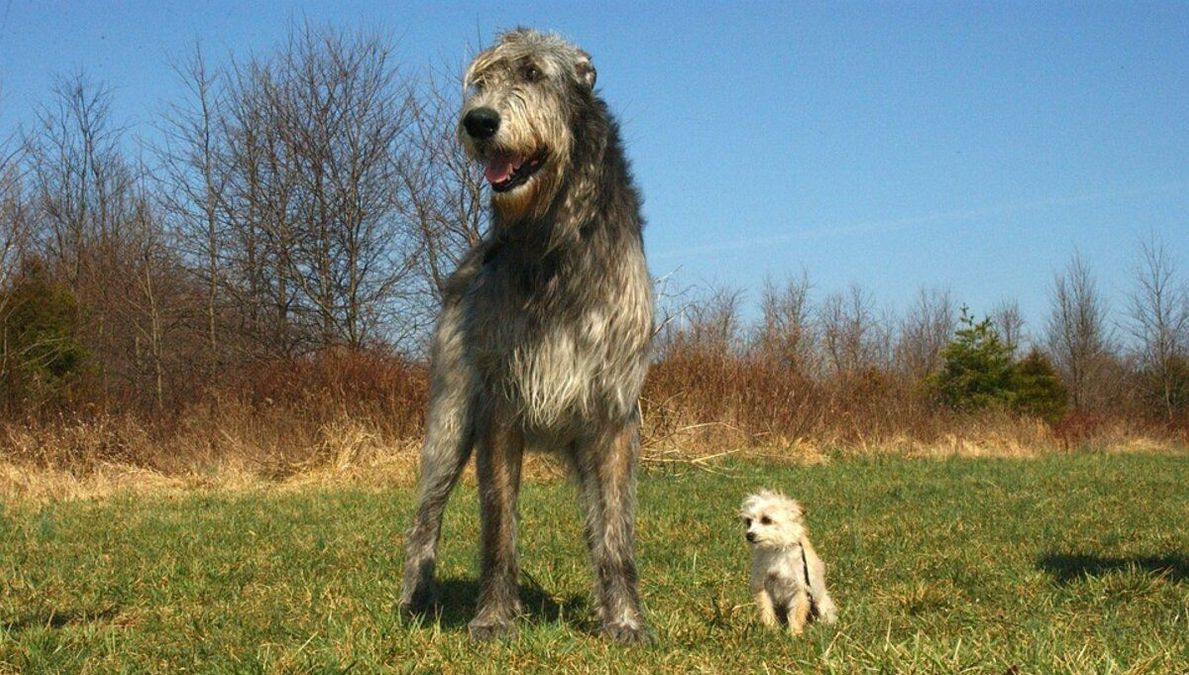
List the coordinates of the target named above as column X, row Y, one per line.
column 340, row 110
column 84, row 198
column 1077, row 334
column 1009, row 324
column 787, row 332
column 853, row 337
column 14, row 218
column 257, row 191
column 148, row 306
column 100, row 236
column 1158, row 310
column 709, row 323
column 443, row 186
column 192, row 184
column 297, row 192
column 925, row 330
column 81, row 178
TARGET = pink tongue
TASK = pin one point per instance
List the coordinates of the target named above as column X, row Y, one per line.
column 499, row 169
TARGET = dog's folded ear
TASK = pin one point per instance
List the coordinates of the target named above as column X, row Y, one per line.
column 585, row 70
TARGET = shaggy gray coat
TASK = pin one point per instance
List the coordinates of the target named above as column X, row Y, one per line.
column 543, row 338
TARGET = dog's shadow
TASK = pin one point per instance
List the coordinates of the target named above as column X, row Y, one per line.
column 457, row 600
column 1068, row 568
column 56, row 619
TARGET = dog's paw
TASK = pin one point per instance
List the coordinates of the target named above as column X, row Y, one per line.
column 627, row 633
column 422, row 601
column 483, row 630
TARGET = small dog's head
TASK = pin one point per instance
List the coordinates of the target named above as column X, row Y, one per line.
column 772, row 520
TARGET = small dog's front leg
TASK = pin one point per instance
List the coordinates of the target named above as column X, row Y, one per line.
column 767, row 609
column 798, row 612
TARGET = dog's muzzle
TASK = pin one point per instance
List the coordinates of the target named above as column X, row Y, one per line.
column 481, row 123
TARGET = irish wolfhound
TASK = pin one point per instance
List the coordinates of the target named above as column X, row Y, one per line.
column 544, row 333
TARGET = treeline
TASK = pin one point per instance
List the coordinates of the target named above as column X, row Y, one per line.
column 836, row 369
column 269, row 265
column 306, row 200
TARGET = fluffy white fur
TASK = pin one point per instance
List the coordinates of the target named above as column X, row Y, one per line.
column 788, row 579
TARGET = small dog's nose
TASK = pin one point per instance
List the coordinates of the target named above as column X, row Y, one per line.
column 751, row 536
column 481, row 123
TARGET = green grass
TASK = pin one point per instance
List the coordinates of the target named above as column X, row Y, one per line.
column 1073, row 563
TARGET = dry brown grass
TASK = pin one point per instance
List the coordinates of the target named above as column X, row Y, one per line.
column 107, row 456
column 356, row 418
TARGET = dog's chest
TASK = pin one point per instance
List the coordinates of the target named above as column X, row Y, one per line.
column 779, row 572
column 561, row 341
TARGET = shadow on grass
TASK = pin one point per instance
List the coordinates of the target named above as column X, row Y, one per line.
column 457, row 600
column 54, row 619
column 1070, row 567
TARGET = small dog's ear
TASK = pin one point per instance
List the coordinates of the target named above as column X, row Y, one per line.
column 748, row 503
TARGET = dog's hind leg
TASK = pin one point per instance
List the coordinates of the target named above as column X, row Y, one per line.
column 823, row 604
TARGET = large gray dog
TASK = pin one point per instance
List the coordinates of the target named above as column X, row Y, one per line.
column 544, row 332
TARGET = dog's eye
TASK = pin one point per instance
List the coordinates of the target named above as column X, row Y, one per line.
column 766, row 520
column 529, row 72
column 747, row 522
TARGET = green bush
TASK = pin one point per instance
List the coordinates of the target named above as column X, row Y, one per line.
column 978, row 370
column 979, row 373
column 39, row 333
column 1037, row 390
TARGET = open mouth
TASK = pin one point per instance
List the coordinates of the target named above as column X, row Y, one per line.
column 506, row 171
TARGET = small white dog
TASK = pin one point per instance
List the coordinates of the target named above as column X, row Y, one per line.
column 788, row 579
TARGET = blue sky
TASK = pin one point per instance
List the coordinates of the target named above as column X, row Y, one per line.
column 970, row 146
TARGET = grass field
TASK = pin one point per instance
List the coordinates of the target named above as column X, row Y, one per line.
column 1059, row 564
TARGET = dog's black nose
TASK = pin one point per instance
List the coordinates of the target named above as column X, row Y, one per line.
column 481, row 123
column 751, row 536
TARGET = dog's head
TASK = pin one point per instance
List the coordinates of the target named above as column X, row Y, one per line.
column 772, row 520
column 521, row 98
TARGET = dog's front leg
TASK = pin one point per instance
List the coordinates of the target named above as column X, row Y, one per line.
column 606, row 471
column 448, row 444
column 767, row 608
column 500, row 452
column 798, row 612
